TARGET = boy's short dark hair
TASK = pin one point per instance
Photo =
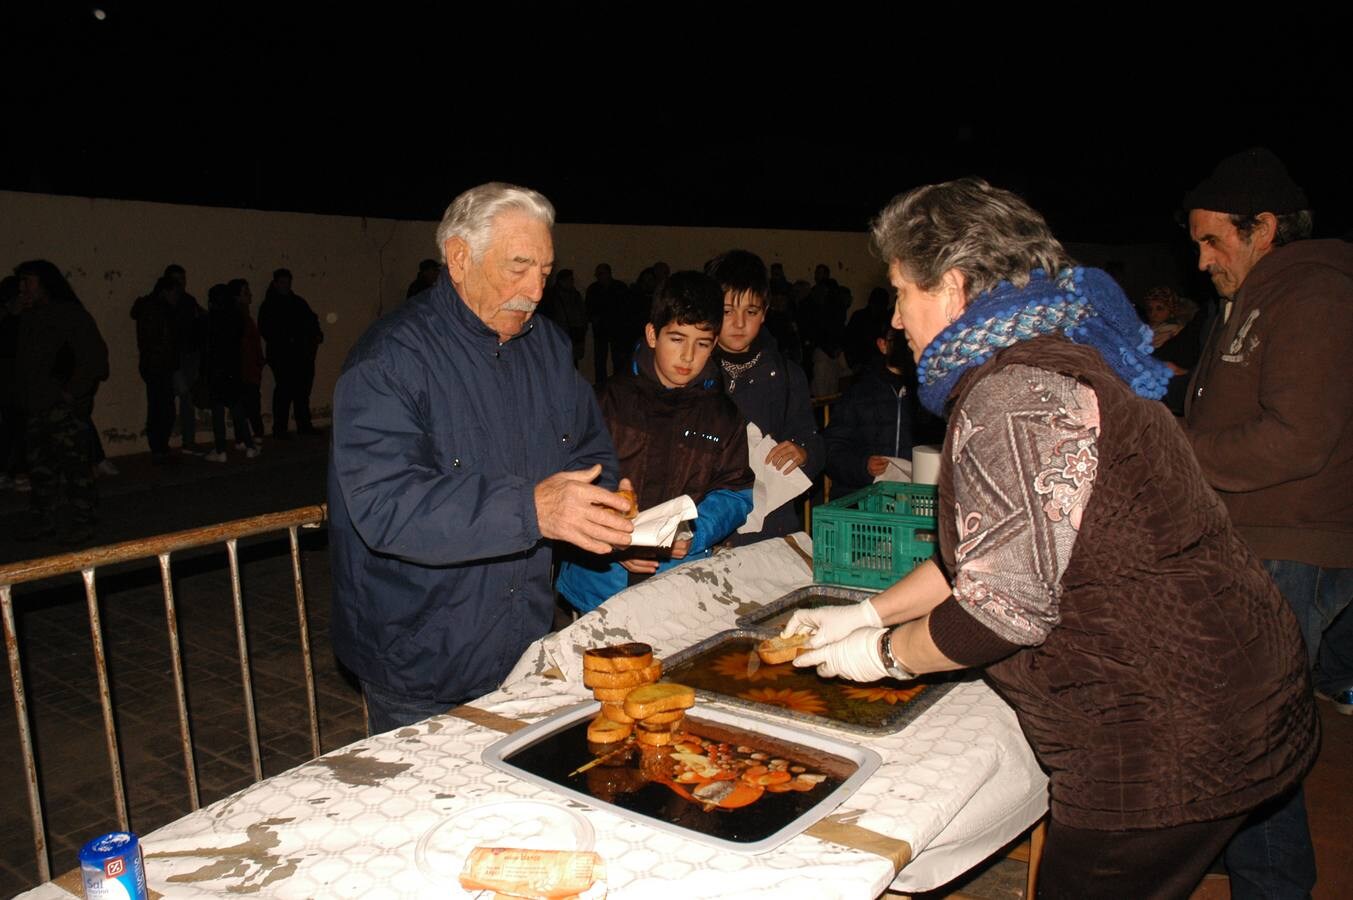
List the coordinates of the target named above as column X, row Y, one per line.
column 687, row 298
column 739, row 271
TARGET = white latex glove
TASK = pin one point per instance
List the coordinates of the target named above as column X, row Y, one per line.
column 828, row 624
column 855, row 657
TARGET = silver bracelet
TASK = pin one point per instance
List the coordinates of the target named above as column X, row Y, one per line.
column 891, row 665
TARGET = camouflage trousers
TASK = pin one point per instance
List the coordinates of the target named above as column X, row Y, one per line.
column 59, row 451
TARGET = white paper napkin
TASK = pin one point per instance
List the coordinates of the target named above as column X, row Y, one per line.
column 898, row 469
column 773, row 488
column 657, row 525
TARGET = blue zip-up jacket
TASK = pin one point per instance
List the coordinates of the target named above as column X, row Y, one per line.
column 440, row 433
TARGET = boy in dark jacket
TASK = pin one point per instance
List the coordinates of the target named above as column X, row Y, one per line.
column 875, row 419
column 769, row 389
column 675, row 433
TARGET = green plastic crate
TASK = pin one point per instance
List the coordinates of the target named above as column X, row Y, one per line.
column 873, row 537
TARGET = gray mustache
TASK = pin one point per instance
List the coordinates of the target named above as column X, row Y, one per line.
column 520, row 304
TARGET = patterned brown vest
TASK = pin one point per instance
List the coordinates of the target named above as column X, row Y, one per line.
column 1174, row 689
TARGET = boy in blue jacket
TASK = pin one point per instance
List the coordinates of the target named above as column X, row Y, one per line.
column 675, row 432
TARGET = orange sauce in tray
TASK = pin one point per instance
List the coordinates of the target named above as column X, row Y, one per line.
column 719, row 780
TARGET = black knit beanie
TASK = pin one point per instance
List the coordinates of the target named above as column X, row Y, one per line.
column 1250, row 182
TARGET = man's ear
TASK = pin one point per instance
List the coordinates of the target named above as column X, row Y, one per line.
column 457, row 258
column 651, row 335
column 1264, row 231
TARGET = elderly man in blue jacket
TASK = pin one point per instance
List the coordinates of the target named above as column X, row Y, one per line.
column 464, row 442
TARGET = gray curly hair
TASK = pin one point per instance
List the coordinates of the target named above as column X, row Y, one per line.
column 470, row 216
column 988, row 234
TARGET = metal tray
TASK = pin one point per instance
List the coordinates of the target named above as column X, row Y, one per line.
column 546, row 752
column 774, row 614
column 717, row 669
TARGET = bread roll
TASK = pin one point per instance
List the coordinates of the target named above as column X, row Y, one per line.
column 776, row 650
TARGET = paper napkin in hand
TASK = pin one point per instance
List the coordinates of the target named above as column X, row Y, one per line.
column 773, row 488
column 898, row 469
column 657, row 525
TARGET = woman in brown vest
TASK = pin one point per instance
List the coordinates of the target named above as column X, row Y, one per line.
column 1085, row 565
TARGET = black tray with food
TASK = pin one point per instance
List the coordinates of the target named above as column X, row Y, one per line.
column 725, row 667
column 737, row 784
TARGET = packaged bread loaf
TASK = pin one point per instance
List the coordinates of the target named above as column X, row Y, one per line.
column 543, row 874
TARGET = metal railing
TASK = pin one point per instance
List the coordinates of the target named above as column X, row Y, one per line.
column 86, row 562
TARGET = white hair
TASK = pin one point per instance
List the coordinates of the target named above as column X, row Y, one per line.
column 470, row 216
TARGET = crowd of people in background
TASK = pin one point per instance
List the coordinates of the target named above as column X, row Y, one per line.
column 195, row 360
column 53, row 359
column 807, row 319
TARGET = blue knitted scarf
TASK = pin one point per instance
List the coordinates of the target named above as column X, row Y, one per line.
column 1085, row 306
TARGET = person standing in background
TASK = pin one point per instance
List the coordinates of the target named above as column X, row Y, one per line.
column 251, row 359
column 189, row 329
column 157, row 361
column 291, row 330
column 59, row 361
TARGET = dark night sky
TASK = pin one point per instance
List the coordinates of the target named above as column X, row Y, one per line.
column 697, row 121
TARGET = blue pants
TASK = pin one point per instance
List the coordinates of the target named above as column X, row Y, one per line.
column 1317, row 596
column 1271, row 856
column 1334, row 666
column 386, row 710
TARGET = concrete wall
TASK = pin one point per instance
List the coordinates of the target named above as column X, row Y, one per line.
column 351, row 270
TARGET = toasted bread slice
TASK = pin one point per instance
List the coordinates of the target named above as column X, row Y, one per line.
column 616, row 713
column 675, row 715
column 618, row 657
column 602, row 730
column 650, row 725
column 654, row 738
column 633, row 501
column 776, row 650
column 631, row 679
column 611, row 695
column 644, row 701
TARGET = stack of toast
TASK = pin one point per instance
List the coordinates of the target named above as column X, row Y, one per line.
column 624, row 677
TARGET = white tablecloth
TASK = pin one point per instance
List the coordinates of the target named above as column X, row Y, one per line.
column 955, row 785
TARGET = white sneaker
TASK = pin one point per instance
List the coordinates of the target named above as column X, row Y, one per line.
column 251, row 452
column 106, row 467
column 217, row 456
column 239, row 445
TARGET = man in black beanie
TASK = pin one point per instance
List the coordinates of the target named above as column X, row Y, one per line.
column 1270, row 415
